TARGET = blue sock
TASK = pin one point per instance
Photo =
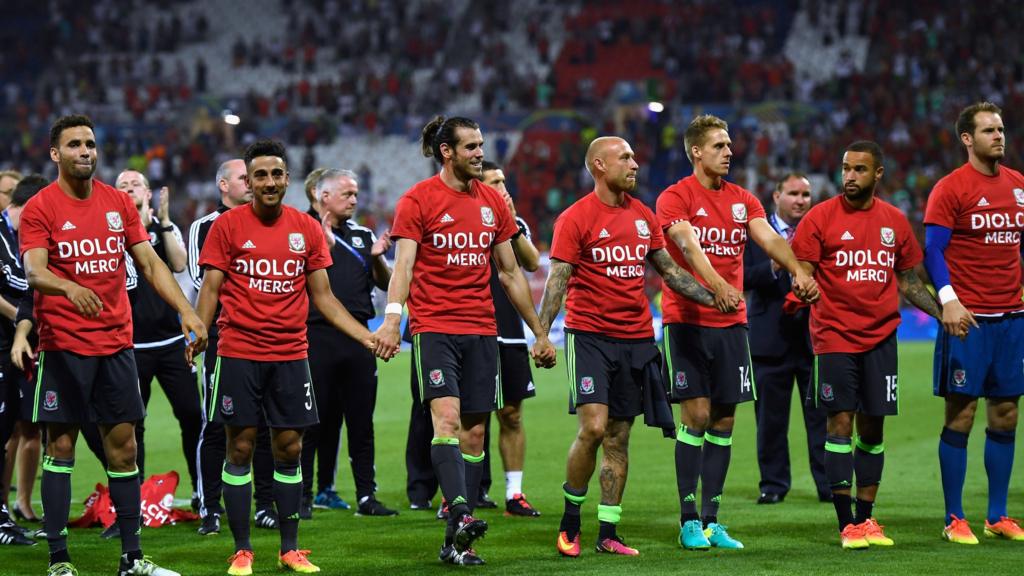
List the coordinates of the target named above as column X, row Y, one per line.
column 953, row 465
column 998, row 464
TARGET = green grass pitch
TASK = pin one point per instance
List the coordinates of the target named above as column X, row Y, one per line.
column 796, row 537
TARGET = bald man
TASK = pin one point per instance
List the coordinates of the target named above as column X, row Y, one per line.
column 601, row 246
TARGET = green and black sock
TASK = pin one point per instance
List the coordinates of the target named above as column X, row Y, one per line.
column 839, row 470
column 288, row 497
column 609, row 517
column 55, row 490
column 450, row 469
column 868, row 461
column 237, row 481
column 474, row 466
column 571, row 516
column 689, row 458
column 717, row 454
column 127, row 499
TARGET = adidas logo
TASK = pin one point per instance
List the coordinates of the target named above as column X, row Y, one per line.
column 447, row 218
column 248, row 244
column 983, row 201
column 847, row 235
column 68, row 226
column 604, row 234
column 702, row 212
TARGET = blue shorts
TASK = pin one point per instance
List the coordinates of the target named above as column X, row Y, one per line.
column 989, row 364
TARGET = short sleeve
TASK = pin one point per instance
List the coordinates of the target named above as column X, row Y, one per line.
column 133, row 230
column 319, row 254
column 565, row 245
column 408, row 222
column 217, row 249
column 506, row 225
column 942, row 206
column 754, row 207
column 672, row 208
column 34, row 231
column 909, row 253
column 807, row 240
column 657, row 236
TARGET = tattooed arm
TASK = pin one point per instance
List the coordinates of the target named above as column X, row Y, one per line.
column 680, row 280
column 914, row 290
column 726, row 296
column 554, row 292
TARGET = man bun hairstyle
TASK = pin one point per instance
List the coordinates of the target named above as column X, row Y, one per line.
column 65, row 122
column 264, row 148
column 441, row 130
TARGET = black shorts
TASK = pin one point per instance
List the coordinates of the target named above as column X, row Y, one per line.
column 461, row 365
column 606, row 370
column 10, row 393
column 516, row 376
column 704, row 362
column 243, row 390
column 75, row 389
column 19, row 391
column 864, row 382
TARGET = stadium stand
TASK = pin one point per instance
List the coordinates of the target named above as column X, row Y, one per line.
column 352, row 82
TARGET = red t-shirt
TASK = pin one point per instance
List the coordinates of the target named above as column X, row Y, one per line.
column 456, row 231
column 608, row 246
column 986, row 215
column 86, row 241
column 857, row 253
column 263, row 298
column 721, row 219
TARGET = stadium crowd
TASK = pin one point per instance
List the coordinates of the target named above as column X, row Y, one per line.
column 166, row 127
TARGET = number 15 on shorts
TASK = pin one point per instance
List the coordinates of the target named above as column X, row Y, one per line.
column 891, row 392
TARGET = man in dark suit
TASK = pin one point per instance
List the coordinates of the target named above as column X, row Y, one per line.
column 781, row 352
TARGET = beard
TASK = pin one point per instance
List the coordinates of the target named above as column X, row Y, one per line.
column 623, row 184
column 860, row 193
column 76, row 171
column 464, row 171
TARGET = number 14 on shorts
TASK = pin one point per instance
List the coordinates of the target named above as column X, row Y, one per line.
column 744, row 379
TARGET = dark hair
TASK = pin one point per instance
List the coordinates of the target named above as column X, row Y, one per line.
column 65, row 122
column 27, row 188
column 487, row 166
column 965, row 122
column 264, row 148
column 789, row 176
column 871, row 148
column 442, row 131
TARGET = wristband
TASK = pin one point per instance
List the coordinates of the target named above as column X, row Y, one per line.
column 946, row 294
column 393, row 308
column 167, row 228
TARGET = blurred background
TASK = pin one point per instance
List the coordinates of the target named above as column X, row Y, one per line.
column 178, row 86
